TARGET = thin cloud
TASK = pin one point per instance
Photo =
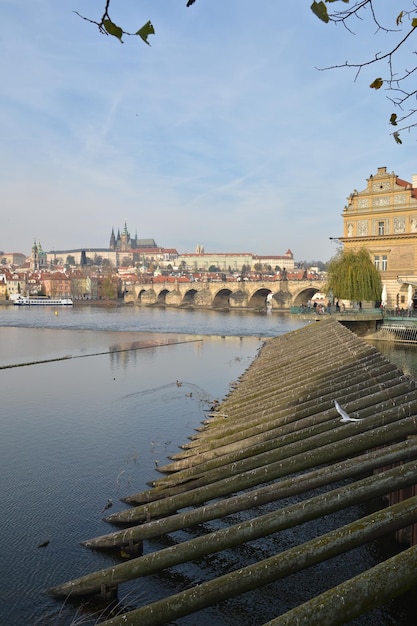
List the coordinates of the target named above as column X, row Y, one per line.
column 221, row 133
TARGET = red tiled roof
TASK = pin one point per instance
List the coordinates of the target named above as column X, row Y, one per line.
column 407, row 185
column 231, row 254
column 402, row 183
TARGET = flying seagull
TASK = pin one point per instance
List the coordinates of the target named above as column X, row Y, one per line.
column 345, row 417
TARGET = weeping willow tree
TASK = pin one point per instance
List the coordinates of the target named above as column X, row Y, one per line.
column 353, row 276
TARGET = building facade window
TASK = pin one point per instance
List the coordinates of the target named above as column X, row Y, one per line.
column 384, row 263
column 376, row 261
column 381, row 228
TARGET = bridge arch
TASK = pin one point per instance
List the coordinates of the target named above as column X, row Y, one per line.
column 264, row 296
column 257, row 299
column 189, row 297
column 162, row 296
column 302, row 296
column 140, row 294
column 222, row 298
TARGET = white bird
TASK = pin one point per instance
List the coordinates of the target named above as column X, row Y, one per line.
column 345, row 417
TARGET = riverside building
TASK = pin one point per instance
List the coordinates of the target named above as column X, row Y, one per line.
column 383, row 219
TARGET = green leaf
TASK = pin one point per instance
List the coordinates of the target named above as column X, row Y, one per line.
column 113, row 29
column 377, row 84
column 396, row 136
column 393, row 119
column 320, row 10
column 144, row 32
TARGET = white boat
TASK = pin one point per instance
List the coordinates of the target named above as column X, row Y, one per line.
column 39, row 301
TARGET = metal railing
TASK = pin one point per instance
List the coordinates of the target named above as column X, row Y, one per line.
column 400, row 333
column 333, row 310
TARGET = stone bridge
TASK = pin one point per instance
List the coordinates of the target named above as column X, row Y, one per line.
column 225, row 295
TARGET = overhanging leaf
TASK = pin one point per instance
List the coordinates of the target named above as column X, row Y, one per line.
column 377, row 84
column 414, row 22
column 146, row 30
column 393, row 119
column 320, row 10
column 113, row 29
column 396, row 136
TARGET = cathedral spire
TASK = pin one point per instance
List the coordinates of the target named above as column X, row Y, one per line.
column 112, row 240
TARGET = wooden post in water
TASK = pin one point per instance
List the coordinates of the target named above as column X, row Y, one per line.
column 356, row 596
column 263, row 526
column 283, row 442
column 259, row 574
column 359, row 465
column 279, row 424
column 328, row 453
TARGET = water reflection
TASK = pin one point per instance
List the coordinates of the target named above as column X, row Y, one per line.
column 75, row 433
column 125, row 353
column 403, row 355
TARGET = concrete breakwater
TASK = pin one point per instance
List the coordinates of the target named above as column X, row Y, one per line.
column 277, row 435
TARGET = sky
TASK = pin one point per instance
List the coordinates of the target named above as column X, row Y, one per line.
column 222, row 132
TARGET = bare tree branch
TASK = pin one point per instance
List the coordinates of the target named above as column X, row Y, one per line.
column 396, row 82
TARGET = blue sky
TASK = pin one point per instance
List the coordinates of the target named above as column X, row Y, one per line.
column 222, row 132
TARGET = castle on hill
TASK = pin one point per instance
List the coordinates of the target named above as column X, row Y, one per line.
column 123, row 250
column 123, row 242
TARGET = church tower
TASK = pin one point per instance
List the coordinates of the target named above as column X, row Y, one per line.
column 112, row 240
column 34, row 259
column 38, row 260
column 125, row 239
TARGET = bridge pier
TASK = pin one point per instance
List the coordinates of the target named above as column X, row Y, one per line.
column 173, row 298
column 202, row 299
column 238, row 300
column 148, row 297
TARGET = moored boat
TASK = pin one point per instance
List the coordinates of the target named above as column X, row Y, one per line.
column 42, row 301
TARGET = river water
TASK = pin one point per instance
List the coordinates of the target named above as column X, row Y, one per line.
column 90, row 409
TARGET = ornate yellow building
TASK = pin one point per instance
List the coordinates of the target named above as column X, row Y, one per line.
column 383, row 219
